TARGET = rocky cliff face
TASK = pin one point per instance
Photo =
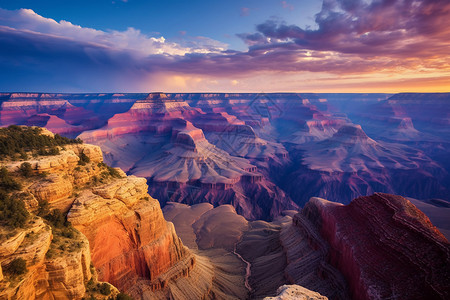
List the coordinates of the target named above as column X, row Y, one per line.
column 292, row 292
column 276, row 253
column 52, row 274
column 384, row 246
column 58, row 264
column 119, row 235
column 197, row 147
column 400, row 147
column 143, row 245
column 189, row 155
column 377, row 247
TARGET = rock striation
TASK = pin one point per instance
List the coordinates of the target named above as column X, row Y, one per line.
column 276, row 253
column 143, row 245
column 187, row 158
column 384, row 246
column 117, row 234
column 61, row 276
column 336, row 146
column 292, row 292
column 377, row 247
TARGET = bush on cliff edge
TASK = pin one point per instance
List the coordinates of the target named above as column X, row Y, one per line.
column 17, row 267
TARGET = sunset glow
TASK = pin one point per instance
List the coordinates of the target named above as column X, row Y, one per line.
column 291, row 46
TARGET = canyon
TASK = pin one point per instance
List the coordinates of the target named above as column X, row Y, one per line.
column 377, row 247
column 230, row 196
column 116, row 235
column 261, row 153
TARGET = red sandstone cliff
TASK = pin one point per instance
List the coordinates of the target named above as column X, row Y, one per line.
column 384, row 246
column 128, row 235
column 121, row 230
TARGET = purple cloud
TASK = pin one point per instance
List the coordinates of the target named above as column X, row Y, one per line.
column 380, row 28
column 352, row 37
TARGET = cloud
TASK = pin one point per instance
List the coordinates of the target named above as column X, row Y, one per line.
column 131, row 40
column 351, row 38
column 387, row 28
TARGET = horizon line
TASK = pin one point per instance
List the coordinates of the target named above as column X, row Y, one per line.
column 261, row 92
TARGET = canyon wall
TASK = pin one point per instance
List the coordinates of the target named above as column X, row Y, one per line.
column 60, row 275
column 262, row 153
column 116, row 234
column 384, row 246
column 377, row 247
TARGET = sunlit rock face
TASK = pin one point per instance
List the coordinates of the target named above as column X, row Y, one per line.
column 261, row 153
column 142, row 243
column 62, row 277
column 292, row 292
column 187, row 157
column 67, row 114
column 119, row 236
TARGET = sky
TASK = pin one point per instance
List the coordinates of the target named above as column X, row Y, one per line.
column 225, row 46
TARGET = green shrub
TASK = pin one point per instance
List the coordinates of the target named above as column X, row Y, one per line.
column 123, row 296
column 17, row 267
column 84, row 158
column 8, row 183
column 25, row 169
column 23, row 155
column 49, row 152
column 68, row 233
column 16, row 140
column 113, row 172
column 56, row 218
column 43, row 208
column 12, row 211
column 104, row 288
column 43, row 174
column 90, row 284
column 101, row 165
column 50, row 253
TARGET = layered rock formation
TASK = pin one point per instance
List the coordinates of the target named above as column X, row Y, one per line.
column 438, row 211
column 299, row 145
column 384, row 246
column 61, row 275
column 68, row 114
column 366, row 166
column 202, row 226
column 292, row 292
column 377, row 247
column 276, row 253
column 120, row 229
column 181, row 163
column 58, row 266
column 143, row 245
